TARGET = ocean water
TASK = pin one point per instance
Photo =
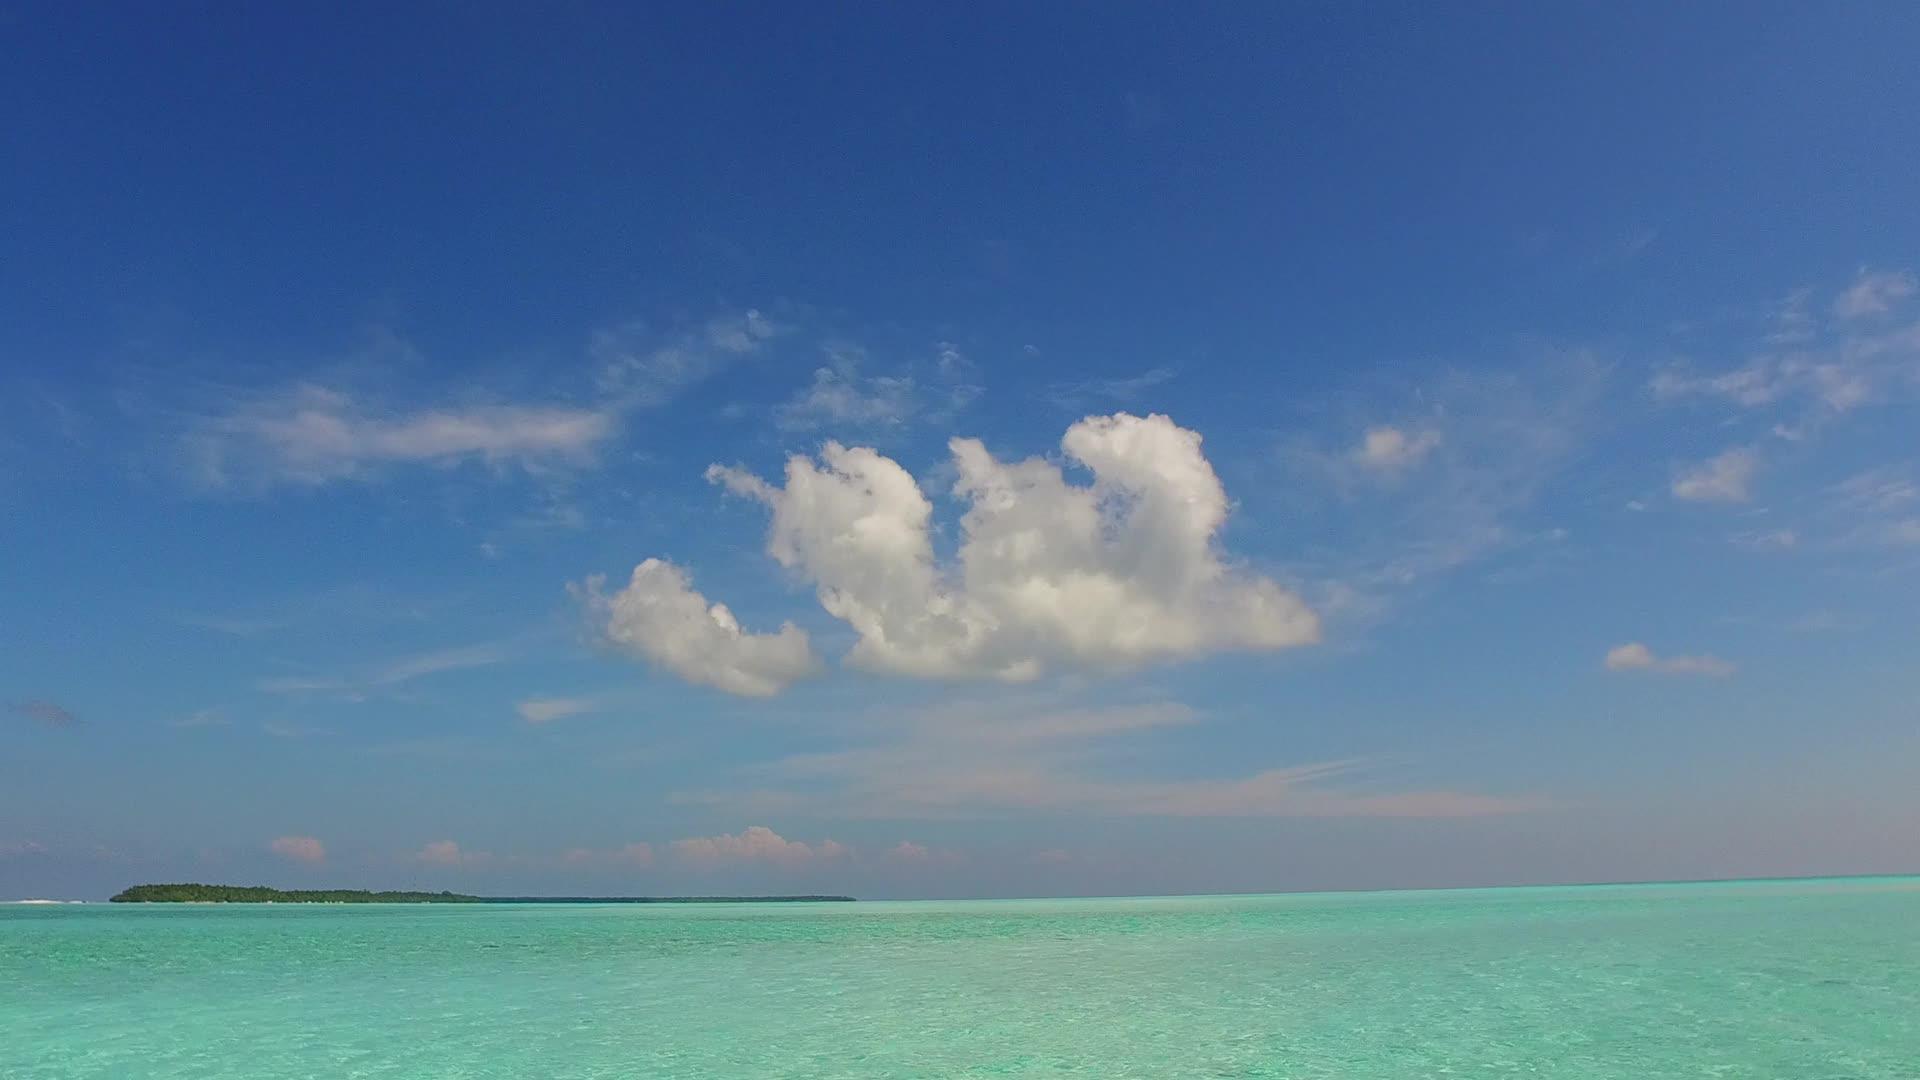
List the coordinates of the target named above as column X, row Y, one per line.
column 1802, row 980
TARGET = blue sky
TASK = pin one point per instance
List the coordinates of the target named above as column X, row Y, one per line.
column 1086, row 450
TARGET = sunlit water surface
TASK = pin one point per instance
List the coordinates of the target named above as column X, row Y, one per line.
column 1804, row 979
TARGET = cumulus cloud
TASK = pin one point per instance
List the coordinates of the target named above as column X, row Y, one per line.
column 1635, row 656
column 1725, row 478
column 49, row 713
column 1874, row 293
column 660, row 617
column 449, row 853
column 909, row 851
column 547, row 710
column 1390, row 449
column 299, row 848
column 756, row 842
column 1048, row 574
column 312, row 435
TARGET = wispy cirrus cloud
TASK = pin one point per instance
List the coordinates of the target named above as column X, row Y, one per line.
column 303, row 849
column 1419, row 479
column 48, row 713
column 391, row 673
column 1768, row 539
column 842, row 397
column 1808, row 372
column 240, row 626
column 637, row 368
column 548, row 710
column 1635, row 656
column 1875, row 292
column 335, row 426
column 1879, row 507
column 1110, row 391
column 979, row 759
column 845, row 395
column 310, row 435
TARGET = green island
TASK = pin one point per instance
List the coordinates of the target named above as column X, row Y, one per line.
column 194, row 893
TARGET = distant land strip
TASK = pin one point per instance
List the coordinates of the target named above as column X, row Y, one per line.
column 193, row 893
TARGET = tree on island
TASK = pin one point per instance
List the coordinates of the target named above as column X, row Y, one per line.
column 194, row 893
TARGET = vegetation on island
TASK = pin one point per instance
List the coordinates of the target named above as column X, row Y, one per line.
column 193, row 893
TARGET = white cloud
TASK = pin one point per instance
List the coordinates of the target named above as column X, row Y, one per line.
column 547, row 710
column 1822, row 372
column 450, row 853
column 841, row 396
column 1123, row 390
column 314, row 433
column 1725, row 478
column 238, row 626
column 1754, row 385
column 636, row 369
column 392, row 673
column 1874, row 293
column 1883, row 490
column 1387, row 448
column 299, row 848
column 50, row 713
column 661, row 618
column 1635, row 656
column 756, row 842
column 1489, row 443
column 909, row 851
column 201, row 719
column 1769, row 540
column 1878, row 507
column 311, row 435
column 1048, row 574
column 413, row 667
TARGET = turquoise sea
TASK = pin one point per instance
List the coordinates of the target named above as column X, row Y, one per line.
column 1799, row 979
